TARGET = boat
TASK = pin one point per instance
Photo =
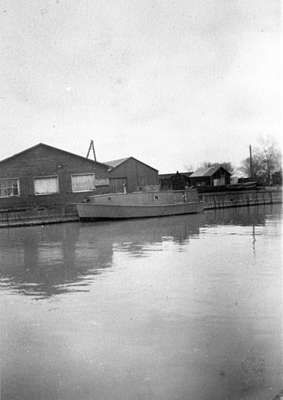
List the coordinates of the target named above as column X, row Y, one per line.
column 142, row 204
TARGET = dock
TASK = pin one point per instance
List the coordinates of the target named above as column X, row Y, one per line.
column 215, row 200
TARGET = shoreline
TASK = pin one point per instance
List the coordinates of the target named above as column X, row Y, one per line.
column 212, row 200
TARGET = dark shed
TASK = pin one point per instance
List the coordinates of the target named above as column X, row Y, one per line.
column 130, row 173
column 175, row 181
column 211, row 176
column 46, row 176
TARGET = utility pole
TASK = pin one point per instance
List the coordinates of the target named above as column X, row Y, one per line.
column 251, row 163
column 91, row 147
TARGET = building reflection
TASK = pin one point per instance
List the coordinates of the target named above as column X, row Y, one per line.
column 44, row 261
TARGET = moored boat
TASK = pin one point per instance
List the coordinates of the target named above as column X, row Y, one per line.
column 140, row 204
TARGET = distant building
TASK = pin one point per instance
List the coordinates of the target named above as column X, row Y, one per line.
column 211, row 176
column 44, row 176
column 131, row 174
column 174, row 181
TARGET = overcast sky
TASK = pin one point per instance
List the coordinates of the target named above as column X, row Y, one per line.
column 172, row 83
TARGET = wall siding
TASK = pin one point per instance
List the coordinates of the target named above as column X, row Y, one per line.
column 44, row 161
column 208, row 180
column 133, row 170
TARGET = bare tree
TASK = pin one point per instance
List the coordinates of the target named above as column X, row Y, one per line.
column 266, row 160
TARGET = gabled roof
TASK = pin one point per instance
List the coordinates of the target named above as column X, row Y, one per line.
column 116, row 163
column 50, row 148
column 207, row 171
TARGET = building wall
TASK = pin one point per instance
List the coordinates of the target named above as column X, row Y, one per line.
column 209, row 180
column 177, row 181
column 135, row 173
column 200, row 181
column 219, row 173
column 44, row 161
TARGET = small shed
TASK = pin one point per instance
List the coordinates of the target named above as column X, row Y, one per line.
column 174, row 181
column 131, row 174
column 211, row 176
column 45, row 176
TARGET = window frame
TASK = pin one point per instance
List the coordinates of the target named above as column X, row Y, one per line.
column 18, row 187
column 42, row 178
column 82, row 174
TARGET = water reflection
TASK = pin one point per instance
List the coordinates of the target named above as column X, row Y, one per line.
column 50, row 260
column 176, row 308
column 243, row 216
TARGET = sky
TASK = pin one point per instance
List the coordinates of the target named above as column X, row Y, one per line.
column 172, row 83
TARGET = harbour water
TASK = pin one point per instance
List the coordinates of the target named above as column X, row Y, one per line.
column 173, row 308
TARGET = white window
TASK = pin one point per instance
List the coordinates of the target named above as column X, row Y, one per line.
column 9, row 187
column 83, row 183
column 219, row 181
column 46, row 185
column 102, row 182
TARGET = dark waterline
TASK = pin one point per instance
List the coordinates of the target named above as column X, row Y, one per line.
column 185, row 307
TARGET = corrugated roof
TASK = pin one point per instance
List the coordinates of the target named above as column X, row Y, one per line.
column 204, row 171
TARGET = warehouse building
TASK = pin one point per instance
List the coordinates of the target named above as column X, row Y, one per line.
column 130, row 174
column 174, row 181
column 44, row 176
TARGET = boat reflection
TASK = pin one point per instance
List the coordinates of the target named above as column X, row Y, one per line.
column 44, row 261
column 137, row 237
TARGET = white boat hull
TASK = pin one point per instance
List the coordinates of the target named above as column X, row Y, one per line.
column 92, row 211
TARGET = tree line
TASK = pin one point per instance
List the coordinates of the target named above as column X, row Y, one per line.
column 265, row 161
